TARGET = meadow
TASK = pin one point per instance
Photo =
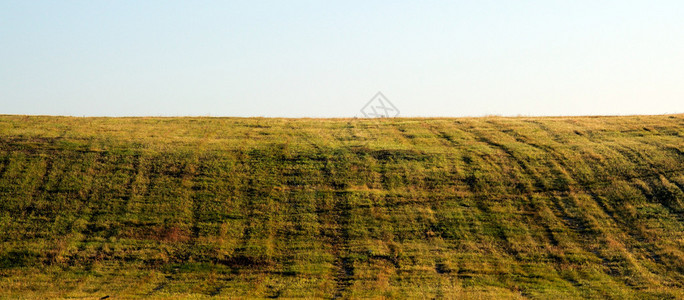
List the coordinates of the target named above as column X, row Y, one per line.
column 473, row 208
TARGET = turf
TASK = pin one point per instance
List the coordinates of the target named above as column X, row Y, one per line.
column 562, row 207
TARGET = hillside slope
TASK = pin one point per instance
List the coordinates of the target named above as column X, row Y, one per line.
column 580, row 207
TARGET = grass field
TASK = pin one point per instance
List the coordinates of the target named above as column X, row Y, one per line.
column 556, row 207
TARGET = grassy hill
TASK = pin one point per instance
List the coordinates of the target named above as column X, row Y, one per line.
column 581, row 207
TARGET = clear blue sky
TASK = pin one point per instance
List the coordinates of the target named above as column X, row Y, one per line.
column 327, row 58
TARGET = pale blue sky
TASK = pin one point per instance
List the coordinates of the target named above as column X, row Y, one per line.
column 327, row 58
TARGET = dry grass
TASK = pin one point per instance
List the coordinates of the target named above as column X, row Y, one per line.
column 473, row 208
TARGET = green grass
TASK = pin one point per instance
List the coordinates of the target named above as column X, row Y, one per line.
column 563, row 207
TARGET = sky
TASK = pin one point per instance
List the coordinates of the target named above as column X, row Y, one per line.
column 328, row 58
